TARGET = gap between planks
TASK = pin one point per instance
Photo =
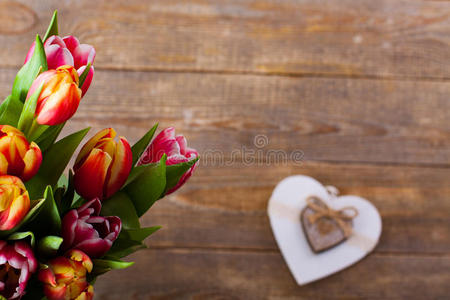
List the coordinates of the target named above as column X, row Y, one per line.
column 253, row 73
column 276, row 251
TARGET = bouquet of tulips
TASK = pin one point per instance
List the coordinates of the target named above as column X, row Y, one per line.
column 59, row 232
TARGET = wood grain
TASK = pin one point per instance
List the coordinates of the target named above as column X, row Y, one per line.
column 209, row 274
column 225, row 207
column 357, row 97
column 325, row 119
column 358, row 38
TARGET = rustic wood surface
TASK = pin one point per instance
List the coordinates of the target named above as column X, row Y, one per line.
column 355, row 92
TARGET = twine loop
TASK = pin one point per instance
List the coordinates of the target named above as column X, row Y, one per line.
column 341, row 216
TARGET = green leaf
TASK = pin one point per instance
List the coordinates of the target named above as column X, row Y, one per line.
column 142, row 144
column 104, row 265
column 83, row 75
column 49, row 245
column 36, row 207
column 27, row 119
column 174, row 173
column 49, row 137
column 139, row 234
column 67, row 199
column 55, row 161
column 130, row 241
column 148, row 186
column 29, row 71
column 49, row 220
column 22, row 235
column 136, row 172
column 10, row 111
column 124, row 247
column 120, row 205
column 52, row 27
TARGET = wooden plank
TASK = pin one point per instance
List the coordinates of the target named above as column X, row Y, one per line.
column 361, row 38
column 206, row 274
column 325, row 119
column 225, row 207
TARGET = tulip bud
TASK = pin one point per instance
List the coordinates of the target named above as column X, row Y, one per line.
column 102, row 166
column 65, row 277
column 86, row 230
column 17, row 263
column 60, row 95
column 68, row 51
column 14, row 201
column 17, row 156
column 175, row 147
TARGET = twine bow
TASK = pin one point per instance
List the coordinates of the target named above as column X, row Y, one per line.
column 322, row 210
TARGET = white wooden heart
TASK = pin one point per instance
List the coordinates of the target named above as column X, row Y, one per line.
column 285, row 205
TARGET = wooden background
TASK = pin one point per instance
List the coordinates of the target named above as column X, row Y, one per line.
column 361, row 87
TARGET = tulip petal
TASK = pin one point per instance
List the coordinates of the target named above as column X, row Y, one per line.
column 3, row 164
column 71, row 42
column 32, row 160
column 83, row 55
column 90, row 144
column 88, row 294
column 80, row 256
column 95, row 204
column 23, row 249
column 68, row 224
column 120, row 168
column 95, row 247
column 55, row 40
column 90, row 177
column 16, row 212
column 59, row 106
column 30, row 52
column 58, row 56
column 88, row 80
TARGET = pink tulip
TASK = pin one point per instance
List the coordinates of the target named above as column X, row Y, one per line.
column 175, row 147
column 86, row 230
column 68, row 51
column 17, row 263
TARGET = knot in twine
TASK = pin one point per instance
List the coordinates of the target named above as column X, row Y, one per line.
column 322, row 210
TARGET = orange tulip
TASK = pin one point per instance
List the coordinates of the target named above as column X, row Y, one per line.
column 60, row 95
column 102, row 166
column 14, row 201
column 65, row 277
column 17, row 156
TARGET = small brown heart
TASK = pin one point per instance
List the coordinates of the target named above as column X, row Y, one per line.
column 323, row 234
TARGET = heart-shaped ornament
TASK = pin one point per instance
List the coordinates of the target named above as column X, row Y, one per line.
column 286, row 205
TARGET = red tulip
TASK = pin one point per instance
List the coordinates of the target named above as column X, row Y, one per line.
column 68, row 51
column 65, row 277
column 86, row 230
column 17, row 263
column 60, row 95
column 17, row 156
column 14, row 201
column 102, row 166
column 175, row 147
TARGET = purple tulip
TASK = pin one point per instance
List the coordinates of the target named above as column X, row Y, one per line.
column 17, row 263
column 84, row 229
column 176, row 149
